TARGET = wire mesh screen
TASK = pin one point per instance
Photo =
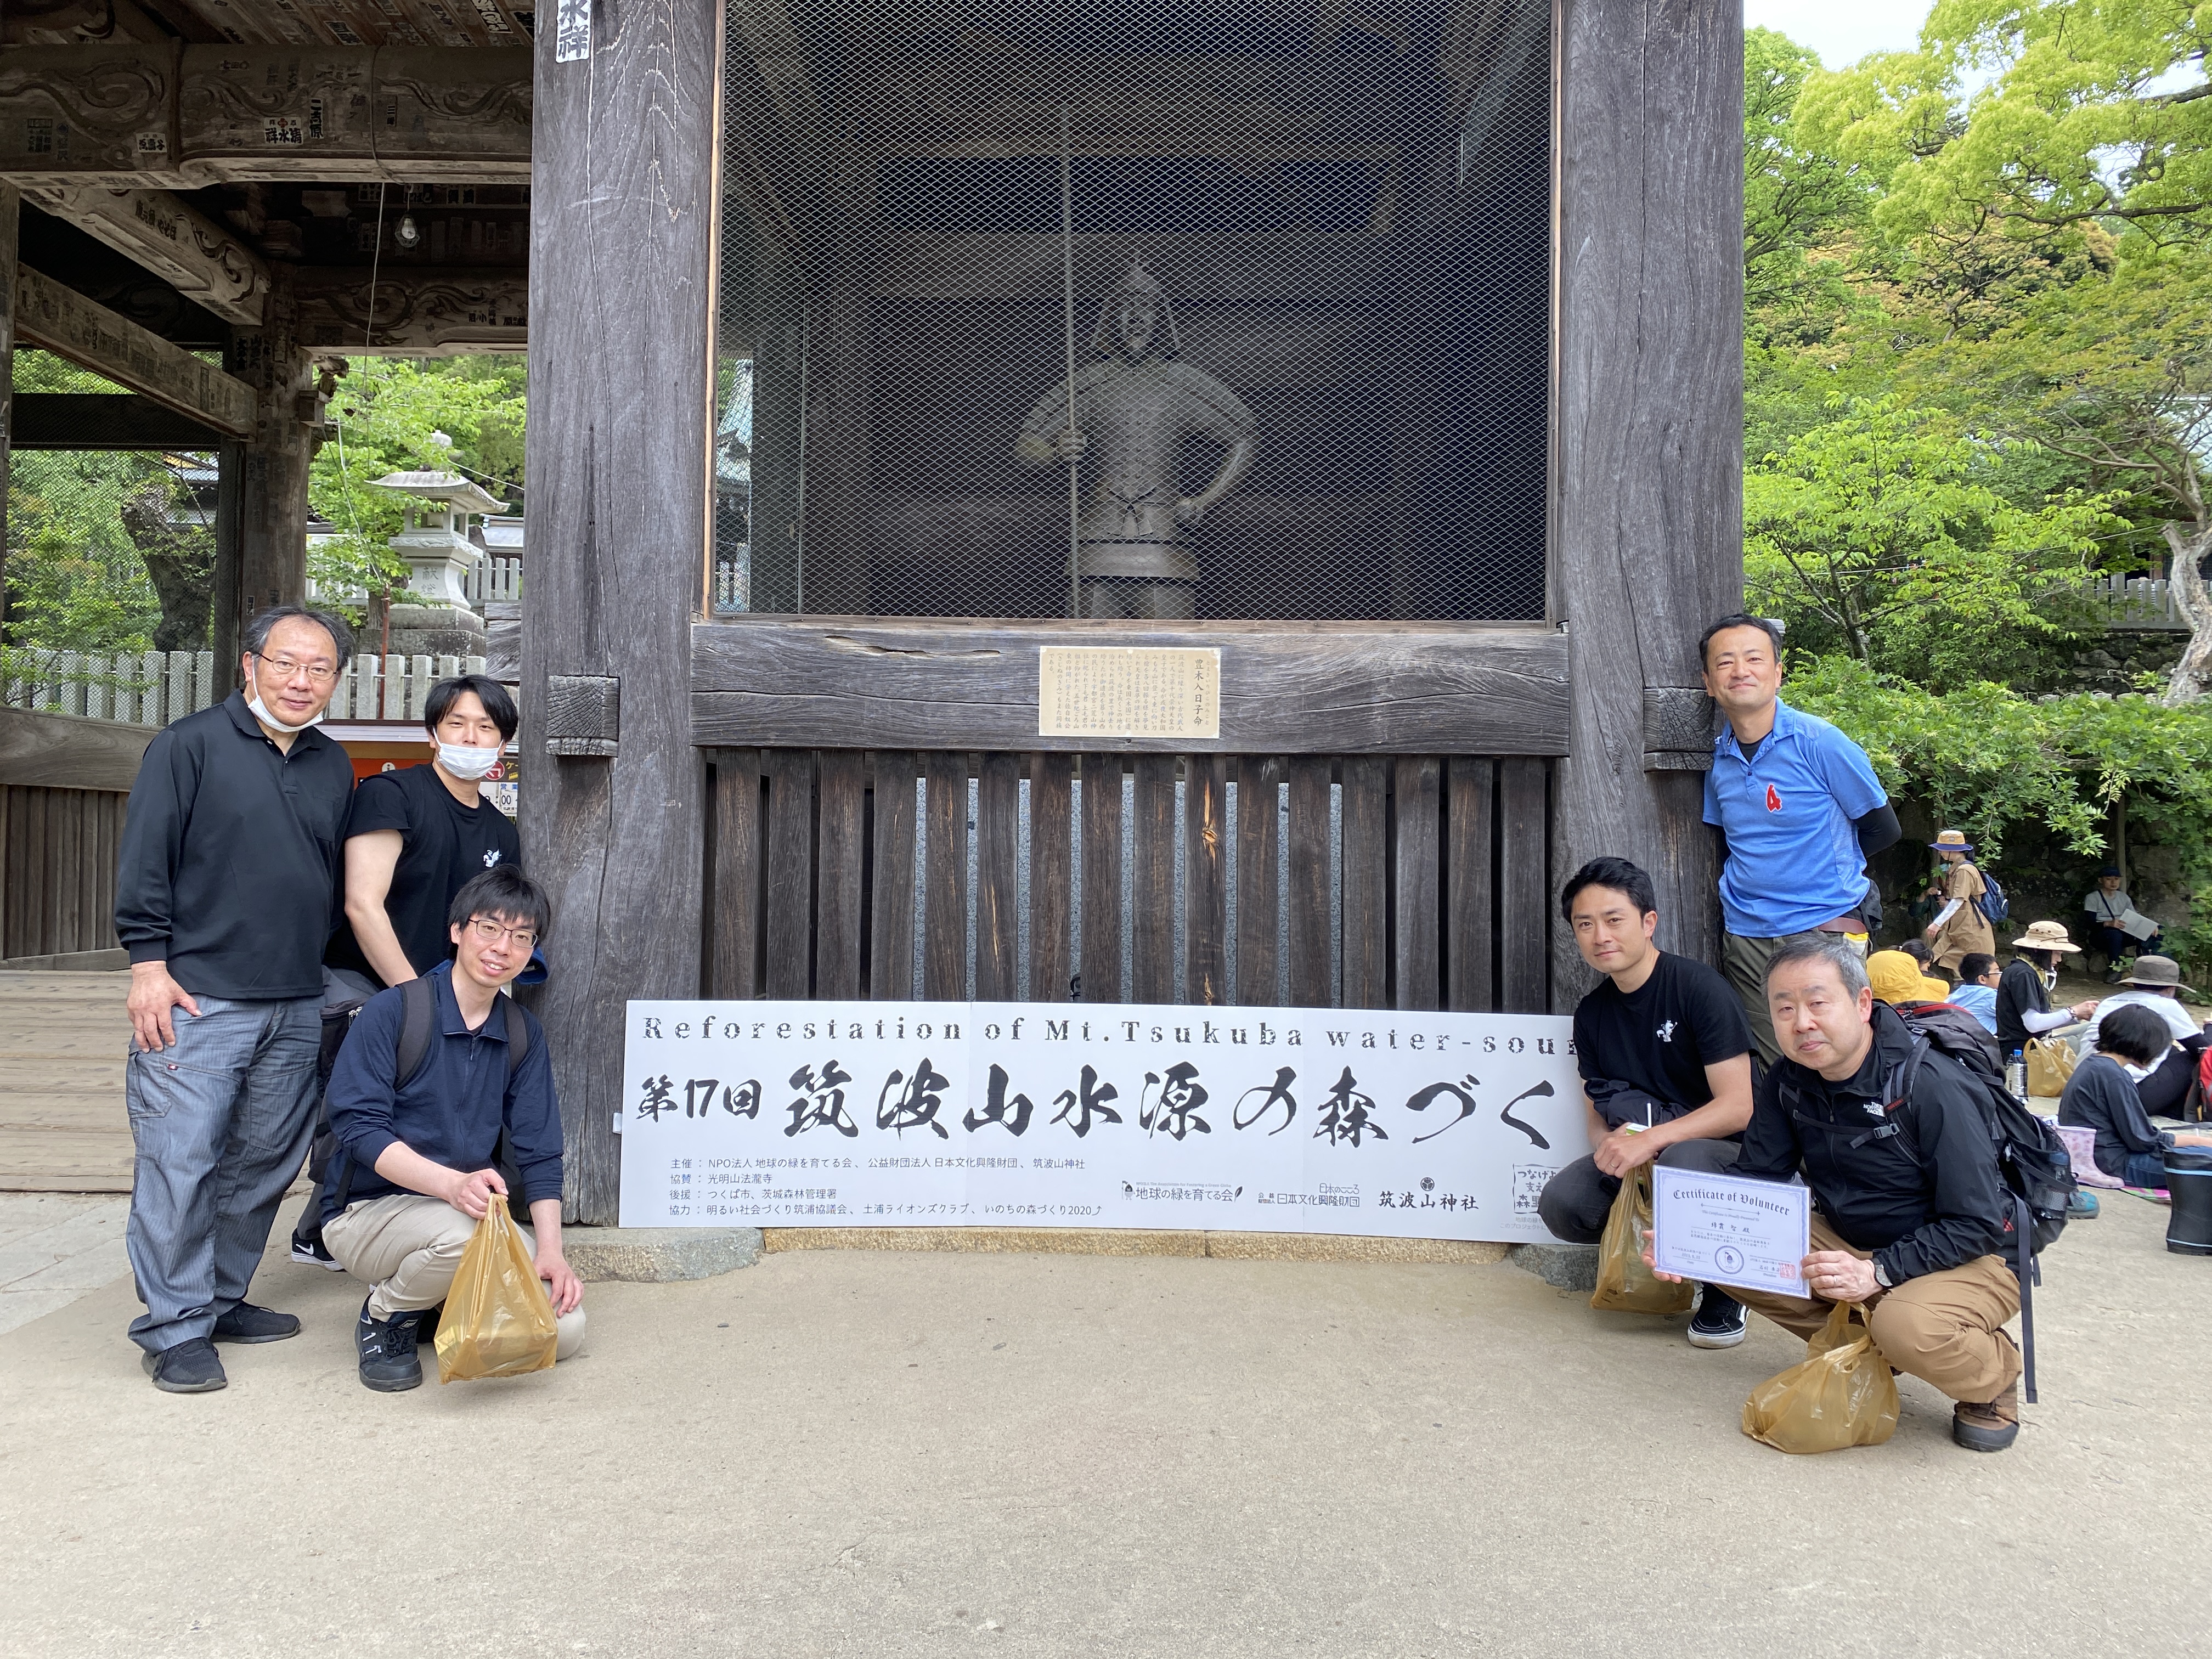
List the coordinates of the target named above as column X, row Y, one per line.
column 1214, row 308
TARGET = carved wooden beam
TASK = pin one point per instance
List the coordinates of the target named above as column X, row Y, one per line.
column 201, row 259
column 416, row 312
column 179, row 117
column 69, row 325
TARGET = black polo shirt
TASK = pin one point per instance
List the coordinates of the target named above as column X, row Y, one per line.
column 229, row 863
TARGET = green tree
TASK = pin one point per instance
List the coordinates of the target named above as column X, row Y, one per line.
column 1883, row 533
column 2093, row 112
column 389, row 416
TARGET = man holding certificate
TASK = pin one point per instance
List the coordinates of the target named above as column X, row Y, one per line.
column 1910, row 1208
column 1665, row 1055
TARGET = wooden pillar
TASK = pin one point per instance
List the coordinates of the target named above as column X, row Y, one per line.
column 11, row 216
column 1648, row 540
column 272, row 483
column 224, row 622
column 621, row 295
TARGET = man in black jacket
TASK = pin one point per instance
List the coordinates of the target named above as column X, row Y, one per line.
column 1910, row 1210
column 223, row 899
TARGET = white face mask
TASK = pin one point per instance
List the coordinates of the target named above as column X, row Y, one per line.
column 261, row 712
column 465, row 763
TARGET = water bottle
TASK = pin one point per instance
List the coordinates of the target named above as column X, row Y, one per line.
column 2016, row 1076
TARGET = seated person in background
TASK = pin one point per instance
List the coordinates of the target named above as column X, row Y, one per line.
column 412, row 1173
column 1898, row 981
column 1909, row 1223
column 2102, row 1095
column 2108, row 907
column 2155, row 983
column 1976, row 991
column 1923, row 957
column 2023, row 1004
column 1665, row 1055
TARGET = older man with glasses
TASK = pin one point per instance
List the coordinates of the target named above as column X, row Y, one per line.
column 224, row 898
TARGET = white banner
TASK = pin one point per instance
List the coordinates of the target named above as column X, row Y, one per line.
column 1033, row 1114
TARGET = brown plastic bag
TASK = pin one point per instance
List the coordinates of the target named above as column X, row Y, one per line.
column 1841, row 1394
column 1625, row 1284
column 497, row 1321
column 2048, row 1066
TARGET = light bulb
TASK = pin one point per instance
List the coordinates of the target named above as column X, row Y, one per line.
column 407, row 235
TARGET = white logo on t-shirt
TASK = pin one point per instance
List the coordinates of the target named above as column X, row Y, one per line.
column 491, row 857
column 1667, row 1032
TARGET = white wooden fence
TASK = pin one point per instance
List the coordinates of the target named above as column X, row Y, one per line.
column 488, row 581
column 159, row 687
column 2136, row 602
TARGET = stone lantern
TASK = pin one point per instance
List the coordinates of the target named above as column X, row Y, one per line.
column 432, row 616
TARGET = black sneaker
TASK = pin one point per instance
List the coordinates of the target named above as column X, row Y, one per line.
column 386, row 1347
column 191, row 1367
column 247, row 1323
column 309, row 1250
column 1721, row 1321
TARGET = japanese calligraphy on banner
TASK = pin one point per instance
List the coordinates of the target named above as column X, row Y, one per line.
column 1036, row 1114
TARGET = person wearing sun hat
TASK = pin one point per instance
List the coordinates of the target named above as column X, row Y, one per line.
column 2024, row 1007
column 1960, row 928
column 1897, row 980
column 2155, row 983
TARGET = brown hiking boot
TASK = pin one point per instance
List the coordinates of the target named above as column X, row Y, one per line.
column 1991, row 1425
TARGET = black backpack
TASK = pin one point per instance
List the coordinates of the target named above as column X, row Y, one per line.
column 2032, row 1160
column 418, row 1022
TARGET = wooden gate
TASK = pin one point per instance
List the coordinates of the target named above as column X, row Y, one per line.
column 1357, row 881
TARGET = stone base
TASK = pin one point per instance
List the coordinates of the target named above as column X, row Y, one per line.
column 436, row 630
column 656, row 1255
column 1130, row 1241
column 1568, row 1266
column 74, row 961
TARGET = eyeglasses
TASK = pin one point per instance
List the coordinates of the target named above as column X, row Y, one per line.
column 318, row 673
column 490, row 933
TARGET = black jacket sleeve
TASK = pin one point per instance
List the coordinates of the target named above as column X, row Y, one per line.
column 1770, row 1140
column 1879, row 829
column 1967, row 1199
column 153, row 824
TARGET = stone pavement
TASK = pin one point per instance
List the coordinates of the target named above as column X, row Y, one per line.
column 54, row 1247
column 845, row 1453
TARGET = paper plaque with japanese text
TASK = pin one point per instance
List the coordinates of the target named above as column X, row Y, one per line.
column 1036, row 1114
column 1129, row 691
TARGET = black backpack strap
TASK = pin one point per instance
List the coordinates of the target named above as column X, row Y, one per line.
column 2023, row 1223
column 418, row 1023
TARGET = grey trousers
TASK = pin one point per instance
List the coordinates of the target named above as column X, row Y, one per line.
column 1575, row 1202
column 221, row 1122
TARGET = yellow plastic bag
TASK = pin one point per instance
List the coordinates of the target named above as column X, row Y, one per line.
column 2048, row 1066
column 1625, row 1284
column 497, row 1321
column 1841, row 1394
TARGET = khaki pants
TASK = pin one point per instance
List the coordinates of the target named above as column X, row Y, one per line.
column 1941, row 1327
column 1744, row 961
column 408, row 1247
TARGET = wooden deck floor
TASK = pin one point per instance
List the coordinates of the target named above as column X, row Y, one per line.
column 63, row 1038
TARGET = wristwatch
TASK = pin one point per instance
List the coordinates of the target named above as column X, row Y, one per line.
column 1881, row 1277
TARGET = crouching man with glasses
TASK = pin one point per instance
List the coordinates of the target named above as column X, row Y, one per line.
column 223, row 894
column 415, row 1165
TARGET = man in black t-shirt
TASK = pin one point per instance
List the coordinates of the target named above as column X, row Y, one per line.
column 1665, row 1055
column 417, row 836
column 414, row 838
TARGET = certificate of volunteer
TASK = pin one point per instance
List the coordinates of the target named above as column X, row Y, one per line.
column 1726, row 1230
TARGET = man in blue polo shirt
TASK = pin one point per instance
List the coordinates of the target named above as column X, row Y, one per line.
column 1799, row 811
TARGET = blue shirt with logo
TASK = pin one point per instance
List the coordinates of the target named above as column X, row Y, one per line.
column 1793, row 860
